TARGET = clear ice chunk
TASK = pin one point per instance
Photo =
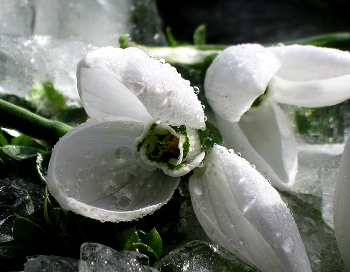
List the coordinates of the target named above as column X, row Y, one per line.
column 16, row 17
column 198, row 256
column 328, row 175
column 51, row 263
column 99, row 258
column 24, row 62
column 94, row 21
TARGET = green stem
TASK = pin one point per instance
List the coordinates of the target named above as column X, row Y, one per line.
column 200, row 56
column 44, row 130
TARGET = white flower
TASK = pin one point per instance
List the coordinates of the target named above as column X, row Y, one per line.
column 144, row 118
column 126, row 160
column 299, row 75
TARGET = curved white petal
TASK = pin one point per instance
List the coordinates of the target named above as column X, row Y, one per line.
column 307, row 62
column 160, row 88
column 103, row 95
column 266, row 139
column 342, row 206
column 241, row 211
column 237, row 77
column 314, row 93
column 92, row 172
column 310, row 76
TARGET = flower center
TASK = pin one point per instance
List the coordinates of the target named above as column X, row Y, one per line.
column 174, row 149
column 166, row 148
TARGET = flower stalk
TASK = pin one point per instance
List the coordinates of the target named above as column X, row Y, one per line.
column 46, row 131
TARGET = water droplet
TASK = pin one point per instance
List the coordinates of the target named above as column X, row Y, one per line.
column 162, row 61
column 205, row 118
column 239, row 154
column 230, row 151
column 123, row 152
column 196, row 90
column 151, row 57
column 158, row 122
column 123, row 202
column 203, row 107
column 253, row 166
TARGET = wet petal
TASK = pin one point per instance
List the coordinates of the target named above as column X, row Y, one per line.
column 315, row 93
column 237, row 77
column 241, row 211
column 306, row 62
column 310, row 76
column 265, row 138
column 103, row 95
column 92, row 172
column 341, row 206
column 165, row 95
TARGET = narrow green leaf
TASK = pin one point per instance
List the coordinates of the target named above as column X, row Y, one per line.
column 199, row 36
column 154, row 241
column 19, row 153
column 60, row 246
column 170, row 36
column 29, row 236
column 3, row 140
column 128, row 237
column 25, row 140
column 47, row 208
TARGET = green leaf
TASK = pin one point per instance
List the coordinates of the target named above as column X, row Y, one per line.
column 3, row 140
column 145, row 249
column 60, row 246
column 71, row 116
column 127, row 238
column 29, row 236
column 199, row 36
column 19, row 153
column 154, row 241
column 25, row 140
column 46, row 99
column 170, row 36
column 12, row 256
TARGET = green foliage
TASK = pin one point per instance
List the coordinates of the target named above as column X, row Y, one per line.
column 200, row 35
column 150, row 245
column 46, row 99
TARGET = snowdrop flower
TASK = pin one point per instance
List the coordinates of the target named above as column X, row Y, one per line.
column 126, row 160
column 257, row 128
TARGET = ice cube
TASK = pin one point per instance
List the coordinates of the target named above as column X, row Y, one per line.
column 16, row 17
column 96, row 257
column 311, row 158
column 328, row 174
column 51, row 263
column 198, row 256
column 100, row 22
column 41, row 58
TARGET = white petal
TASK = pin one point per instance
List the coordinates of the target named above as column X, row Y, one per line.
column 92, row 172
column 103, row 95
column 315, row 93
column 237, row 77
column 305, row 63
column 341, row 206
column 161, row 89
column 310, row 76
column 266, row 139
column 242, row 212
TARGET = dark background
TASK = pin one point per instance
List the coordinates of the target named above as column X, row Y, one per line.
column 262, row 21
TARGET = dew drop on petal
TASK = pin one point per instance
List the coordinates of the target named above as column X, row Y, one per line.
column 196, row 90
